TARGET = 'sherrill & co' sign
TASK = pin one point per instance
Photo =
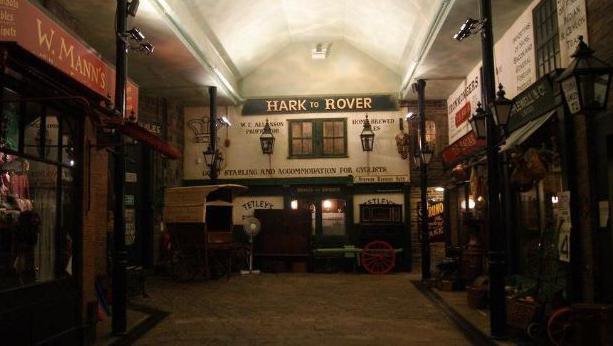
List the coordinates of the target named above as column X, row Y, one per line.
column 33, row 30
column 319, row 104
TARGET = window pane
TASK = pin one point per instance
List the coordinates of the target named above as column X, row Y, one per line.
column 296, row 130
column 328, row 146
column 43, row 188
column 307, row 129
column 68, row 218
column 296, row 146
column 307, row 146
column 333, row 217
column 68, row 143
column 32, row 122
column 52, row 136
column 338, row 129
column 10, row 112
column 339, row 146
column 328, row 129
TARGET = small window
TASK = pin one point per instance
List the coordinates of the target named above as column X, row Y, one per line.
column 546, row 37
column 318, row 138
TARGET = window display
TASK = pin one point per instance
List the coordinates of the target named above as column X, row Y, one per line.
column 37, row 160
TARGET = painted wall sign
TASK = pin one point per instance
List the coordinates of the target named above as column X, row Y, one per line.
column 572, row 23
column 462, row 148
column 243, row 158
column 375, row 198
column 436, row 221
column 32, row 29
column 461, row 104
column 244, row 206
column 532, row 103
column 319, row 104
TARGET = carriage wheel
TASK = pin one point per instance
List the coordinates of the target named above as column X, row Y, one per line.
column 378, row 257
column 558, row 325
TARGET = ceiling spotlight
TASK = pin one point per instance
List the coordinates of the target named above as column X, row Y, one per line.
column 136, row 34
column 469, row 27
column 224, row 121
column 320, row 52
column 147, row 48
column 133, row 7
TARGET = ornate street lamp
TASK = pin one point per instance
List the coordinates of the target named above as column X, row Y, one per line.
column 477, row 122
column 417, row 159
column 367, row 136
column 267, row 140
column 426, row 154
column 212, row 159
column 501, row 109
column 586, row 81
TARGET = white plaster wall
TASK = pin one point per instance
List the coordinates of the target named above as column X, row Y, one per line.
column 244, row 158
column 346, row 71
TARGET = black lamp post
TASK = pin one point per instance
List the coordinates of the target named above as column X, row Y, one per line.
column 367, row 136
column 417, row 159
column 267, row 140
column 586, row 81
column 477, row 122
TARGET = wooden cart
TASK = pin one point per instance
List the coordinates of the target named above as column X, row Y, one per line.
column 199, row 220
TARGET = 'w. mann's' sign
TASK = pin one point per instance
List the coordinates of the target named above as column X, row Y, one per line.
column 320, row 104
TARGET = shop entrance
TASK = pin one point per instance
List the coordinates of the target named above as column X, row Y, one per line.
column 328, row 218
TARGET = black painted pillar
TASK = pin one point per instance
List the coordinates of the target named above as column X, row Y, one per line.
column 120, row 256
column 496, row 260
column 213, row 131
column 425, row 235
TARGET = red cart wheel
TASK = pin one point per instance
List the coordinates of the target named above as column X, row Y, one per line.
column 378, row 257
column 558, row 325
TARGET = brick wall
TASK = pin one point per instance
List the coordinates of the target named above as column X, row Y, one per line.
column 435, row 110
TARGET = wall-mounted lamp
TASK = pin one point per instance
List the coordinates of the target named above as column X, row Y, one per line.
column 213, row 160
column 136, row 34
column 477, row 122
column 501, row 109
column 367, row 136
column 586, row 81
column 267, row 140
column 133, row 7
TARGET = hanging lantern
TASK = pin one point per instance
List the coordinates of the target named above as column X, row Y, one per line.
column 501, row 109
column 477, row 122
column 426, row 154
column 367, row 136
column 586, row 81
column 417, row 159
column 267, row 140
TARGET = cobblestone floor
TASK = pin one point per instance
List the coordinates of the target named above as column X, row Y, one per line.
column 297, row 309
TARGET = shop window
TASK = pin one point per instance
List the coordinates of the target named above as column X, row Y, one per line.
column 318, row 138
column 37, row 194
column 333, row 217
column 546, row 37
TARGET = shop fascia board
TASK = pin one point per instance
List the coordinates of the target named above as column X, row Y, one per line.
column 205, row 52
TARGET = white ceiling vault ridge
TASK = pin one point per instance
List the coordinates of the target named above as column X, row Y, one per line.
column 233, row 38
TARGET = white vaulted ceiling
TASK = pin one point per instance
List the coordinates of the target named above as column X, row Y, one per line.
column 250, row 31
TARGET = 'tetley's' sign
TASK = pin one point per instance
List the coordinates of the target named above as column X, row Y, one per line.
column 319, row 104
column 27, row 25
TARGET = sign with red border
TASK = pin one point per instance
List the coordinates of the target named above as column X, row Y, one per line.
column 463, row 147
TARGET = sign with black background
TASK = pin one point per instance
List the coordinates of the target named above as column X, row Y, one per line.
column 532, row 103
column 320, row 104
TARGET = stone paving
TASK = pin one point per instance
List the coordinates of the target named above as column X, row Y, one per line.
column 297, row 309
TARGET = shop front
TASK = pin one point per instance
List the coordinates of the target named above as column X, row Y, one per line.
column 318, row 165
column 54, row 95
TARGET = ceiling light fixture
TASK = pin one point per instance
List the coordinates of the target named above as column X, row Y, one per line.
column 320, row 52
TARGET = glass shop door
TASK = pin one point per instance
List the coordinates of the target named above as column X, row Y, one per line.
column 328, row 218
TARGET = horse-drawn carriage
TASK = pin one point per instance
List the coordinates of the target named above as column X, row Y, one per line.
column 199, row 221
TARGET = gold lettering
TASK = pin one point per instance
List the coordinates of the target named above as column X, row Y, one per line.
column 42, row 37
column 368, row 102
column 103, row 80
column 66, row 52
column 330, row 104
